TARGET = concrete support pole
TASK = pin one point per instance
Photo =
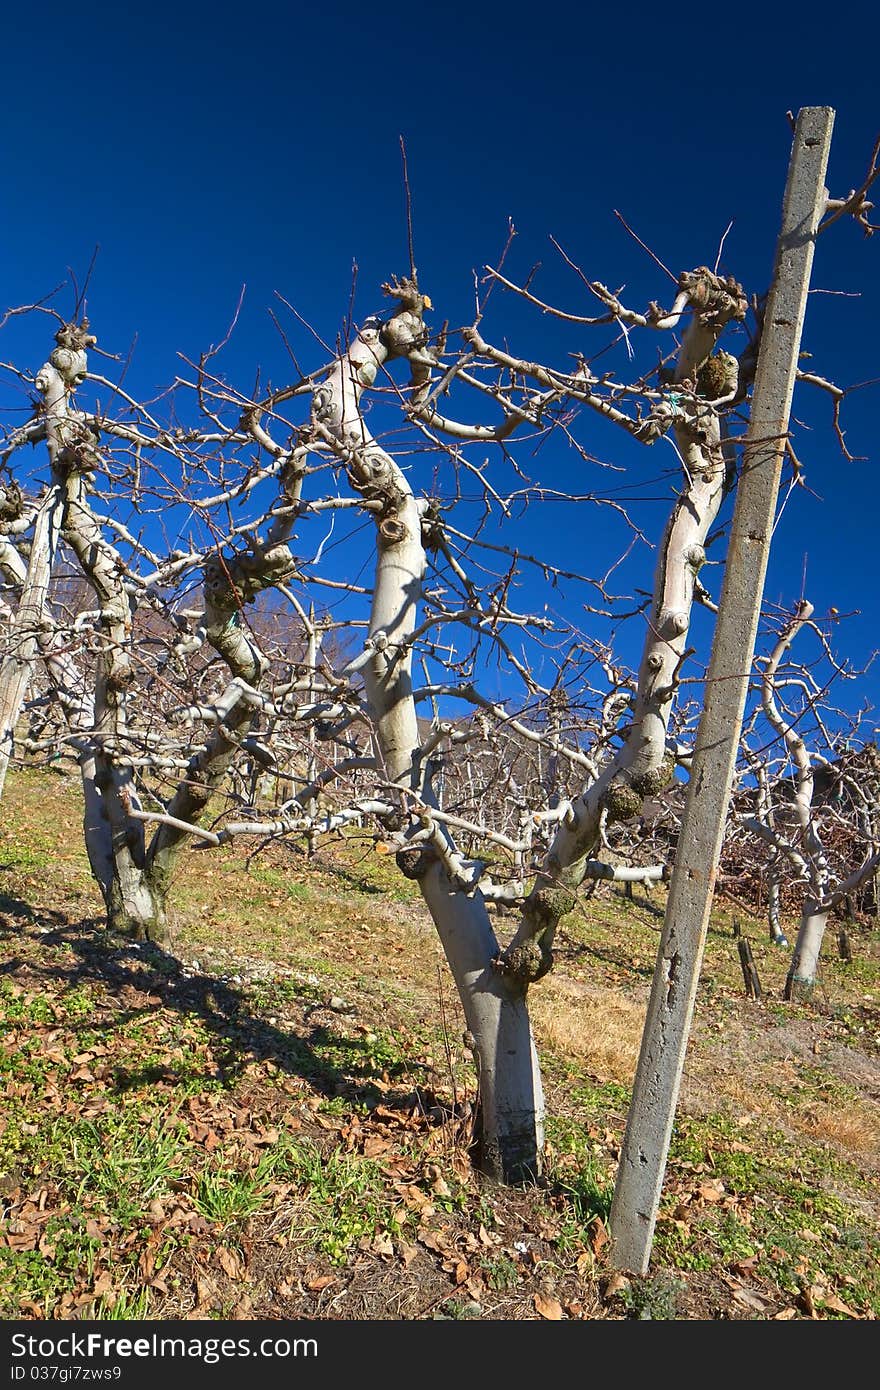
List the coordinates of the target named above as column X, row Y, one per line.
column 670, row 1008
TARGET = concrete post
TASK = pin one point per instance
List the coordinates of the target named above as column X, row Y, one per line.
column 670, row 1008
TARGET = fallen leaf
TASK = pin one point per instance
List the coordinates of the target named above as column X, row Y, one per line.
column 617, row 1284
column 549, row 1308
column 838, row 1306
column 206, row 1292
column 751, row 1300
column 323, row 1281
column 229, row 1262
column 435, row 1240
column 805, row 1300
column 712, row 1191
column 599, row 1237
column 268, row 1137
column 785, row 1314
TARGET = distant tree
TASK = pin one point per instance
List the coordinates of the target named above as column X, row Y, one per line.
column 813, row 813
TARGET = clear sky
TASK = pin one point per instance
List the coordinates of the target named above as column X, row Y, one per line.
column 204, row 147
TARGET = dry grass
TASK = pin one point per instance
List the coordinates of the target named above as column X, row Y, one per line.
column 600, row 1027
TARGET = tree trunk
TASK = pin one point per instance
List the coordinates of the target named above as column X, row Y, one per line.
column 55, row 380
column 803, row 971
column 774, row 917
column 511, row 1108
column 136, row 907
column 510, row 1114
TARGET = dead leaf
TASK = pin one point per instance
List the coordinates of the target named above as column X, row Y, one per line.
column 617, row 1284
column 382, row 1244
column 435, row 1240
column 549, row 1308
column 267, row 1138
column 805, row 1299
column 206, row 1292
column 229, row 1262
column 407, row 1253
column 748, row 1299
column 785, row 1314
column 838, row 1306
column 323, row 1281
column 599, row 1237
column 713, row 1190
column 374, row 1145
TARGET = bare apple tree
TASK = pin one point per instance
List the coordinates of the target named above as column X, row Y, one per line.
column 815, row 793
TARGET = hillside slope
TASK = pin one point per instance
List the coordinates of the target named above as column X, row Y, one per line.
column 274, row 1122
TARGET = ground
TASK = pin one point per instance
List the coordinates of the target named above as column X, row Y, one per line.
column 273, row 1120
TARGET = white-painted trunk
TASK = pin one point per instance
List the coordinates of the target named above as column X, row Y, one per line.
column 804, row 969
column 510, row 1138
column 22, row 640
column 511, row 1107
column 774, row 915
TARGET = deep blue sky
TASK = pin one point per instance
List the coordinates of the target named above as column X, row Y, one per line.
column 203, row 148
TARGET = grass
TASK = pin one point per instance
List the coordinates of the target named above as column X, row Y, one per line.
column 281, row 1127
